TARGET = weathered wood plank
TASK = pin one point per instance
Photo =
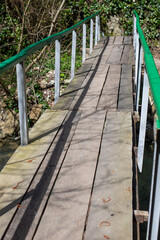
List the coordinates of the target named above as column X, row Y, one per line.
column 128, row 55
column 30, row 210
column 110, row 213
column 67, row 97
column 125, row 101
column 66, row 211
column 128, row 40
column 118, row 40
column 22, row 166
column 109, row 97
column 111, row 40
column 115, row 55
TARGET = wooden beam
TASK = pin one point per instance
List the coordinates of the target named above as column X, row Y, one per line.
column 141, row 216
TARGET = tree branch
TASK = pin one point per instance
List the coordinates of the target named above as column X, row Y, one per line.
column 53, row 20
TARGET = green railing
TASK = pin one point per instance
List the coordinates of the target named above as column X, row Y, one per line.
column 152, row 72
column 18, row 60
column 9, row 63
column 152, row 79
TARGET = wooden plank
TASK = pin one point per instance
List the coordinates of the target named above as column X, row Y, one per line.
column 111, row 40
column 91, row 89
column 118, row 40
column 125, row 101
column 110, row 213
column 115, row 55
column 108, row 99
column 25, row 222
column 128, row 40
column 22, row 166
column 67, row 97
column 66, row 211
column 128, row 55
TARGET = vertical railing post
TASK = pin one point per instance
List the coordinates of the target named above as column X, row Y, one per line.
column 154, row 210
column 139, row 77
column 137, row 59
column 98, row 27
column 84, row 43
column 143, row 121
column 22, row 102
column 96, row 30
column 73, row 60
column 57, row 70
column 134, row 31
column 91, row 35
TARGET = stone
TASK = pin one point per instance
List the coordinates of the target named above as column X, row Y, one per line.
column 9, row 124
column 113, row 26
column 35, row 112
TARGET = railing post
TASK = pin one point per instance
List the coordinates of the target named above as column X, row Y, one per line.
column 139, row 77
column 143, row 121
column 57, row 70
column 134, row 31
column 96, row 30
column 98, row 27
column 73, row 60
column 136, row 59
column 91, row 35
column 22, row 103
column 84, row 43
column 154, row 210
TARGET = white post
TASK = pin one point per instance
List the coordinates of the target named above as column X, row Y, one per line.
column 73, row 60
column 91, row 35
column 139, row 78
column 22, row 103
column 152, row 183
column 154, row 211
column 84, row 43
column 137, row 59
column 96, row 30
column 134, row 31
column 98, row 27
column 142, row 131
column 57, row 70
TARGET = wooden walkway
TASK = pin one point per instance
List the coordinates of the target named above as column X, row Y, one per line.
column 74, row 180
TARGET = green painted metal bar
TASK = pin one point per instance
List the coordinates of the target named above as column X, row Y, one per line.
column 153, row 75
column 9, row 63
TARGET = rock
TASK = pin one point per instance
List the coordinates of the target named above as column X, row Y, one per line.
column 9, row 124
column 35, row 112
column 43, row 84
column 114, row 26
column 2, row 135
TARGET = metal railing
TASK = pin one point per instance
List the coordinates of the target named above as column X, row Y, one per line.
column 152, row 80
column 18, row 60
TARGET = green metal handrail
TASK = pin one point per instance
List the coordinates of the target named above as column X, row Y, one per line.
column 153, row 75
column 9, row 63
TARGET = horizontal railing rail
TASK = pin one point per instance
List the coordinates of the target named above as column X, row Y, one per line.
column 18, row 60
column 22, row 55
column 152, row 80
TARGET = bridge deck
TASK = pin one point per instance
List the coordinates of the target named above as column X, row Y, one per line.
column 74, row 179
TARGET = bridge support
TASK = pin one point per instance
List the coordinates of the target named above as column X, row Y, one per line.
column 57, row 70
column 22, row 103
column 73, row 60
column 84, row 43
column 154, row 208
column 91, row 35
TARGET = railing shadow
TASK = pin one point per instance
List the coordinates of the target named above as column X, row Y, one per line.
column 35, row 196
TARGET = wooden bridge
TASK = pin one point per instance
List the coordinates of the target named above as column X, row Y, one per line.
column 74, row 179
